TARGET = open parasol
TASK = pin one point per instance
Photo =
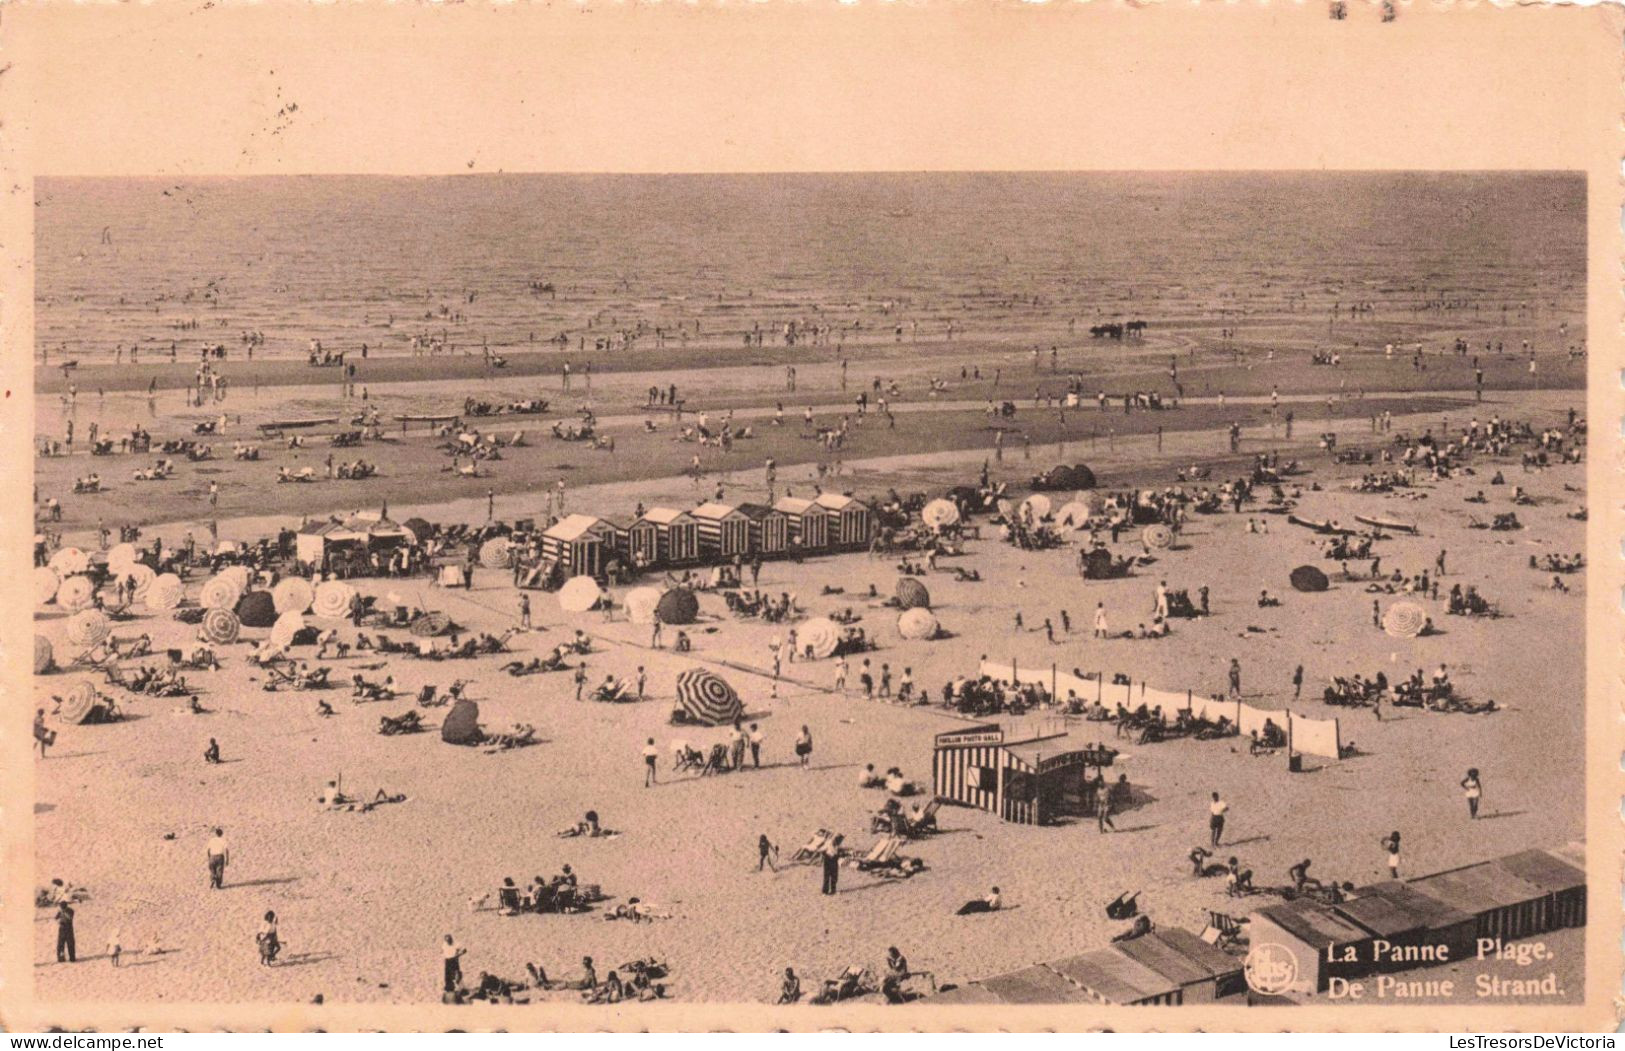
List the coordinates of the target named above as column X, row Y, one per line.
column 1074, row 514
column 141, row 576
column 494, row 552
column 121, row 556
column 286, row 627
column 819, row 636
column 221, row 626
column 332, row 600
column 641, row 604
column 940, row 514
column 165, row 592
column 579, row 594
column 42, row 654
column 1309, row 578
column 1035, row 506
column 707, row 698
column 430, row 624
column 45, row 584
column 1082, row 477
column 1157, row 536
column 1404, row 620
column 678, row 606
column 219, row 592
column 292, row 595
column 911, row 593
column 68, row 561
column 88, row 628
column 75, row 592
column 917, row 623
column 79, row 703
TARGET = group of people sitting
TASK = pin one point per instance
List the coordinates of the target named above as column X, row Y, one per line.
column 150, row 680
column 755, row 603
column 561, row 893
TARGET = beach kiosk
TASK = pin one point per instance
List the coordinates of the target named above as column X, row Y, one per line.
column 853, row 523
column 348, row 546
column 724, row 531
column 809, row 523
column 769, row 529
column 1030, row 781
column 677, row 533
column 578, row 543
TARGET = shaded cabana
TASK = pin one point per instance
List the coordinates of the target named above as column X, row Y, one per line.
column 724, row 531
column 580, row 544
column 769, row 529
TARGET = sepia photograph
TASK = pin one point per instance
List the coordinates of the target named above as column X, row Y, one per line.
column 810, row 590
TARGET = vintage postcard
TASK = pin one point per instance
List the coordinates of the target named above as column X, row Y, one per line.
column 806, row 515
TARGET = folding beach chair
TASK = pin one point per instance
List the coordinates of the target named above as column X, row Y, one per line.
column 1223, row 931
column 812, row 849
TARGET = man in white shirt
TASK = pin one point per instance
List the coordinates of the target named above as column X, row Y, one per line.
column 219, row 857
column 1215, row 822
column 756, row 739
column 649, row 755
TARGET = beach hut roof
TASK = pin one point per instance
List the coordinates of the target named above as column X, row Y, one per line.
column 1381, row 915
column 969, row 993
column 714, row 511
column 757, row 511
column 793, row 505
column 1170, row 961
column 1496, row 887
column 573, row 527
column 1426, row 910
column 836, row 501
column 1313, row 924
column 1034, row 985
column 1114, row 976
column 665, row 515
column 1545, row 870
column 1215, row 961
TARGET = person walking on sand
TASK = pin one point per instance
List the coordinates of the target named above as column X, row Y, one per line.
column 1215, row 820
column 766, row 851
column 452, row 972
column 832, row 864
column 649, row 755
column 1391, row 845
column 524, row 612
column 804, row 746
column 643, row 680
column 654, row 632
column 1297, row 682
column 1100, row 620
column 581, row 679
column 1235, row 677
column 840, row 674
column 756, row 738
column 1474, row 790
column 64, row 933
column 219, row 853
column 1376, row 614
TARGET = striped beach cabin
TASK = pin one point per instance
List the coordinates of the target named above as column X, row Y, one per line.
column 769, row 529
column 1031, row 781
column 581, row 544
column 678, row 535
column 853, row 523
column 724, row 531
column 809, row 524
column 638, row 541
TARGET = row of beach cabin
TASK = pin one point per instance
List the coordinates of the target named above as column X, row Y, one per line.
column 710, row 533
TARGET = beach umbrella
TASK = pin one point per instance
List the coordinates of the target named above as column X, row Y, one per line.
column 430, row 624
column 678, row 606
column 1157, row 536
column 1096, row 564
column 819, row 636
column 1404, row 620
column 121, row 556
column 580, row 594
column 219, row 592
column 917, row 623
column 1309, row 578
column 286, row 627
column 221, row 626
column 1082, row 477
column 1074, row 514
column 1058, row 477
column 88, row 628
column 79, row 704
column 42, row 654
column 242, row 576
column 256, row 610
column 419, row 528
column 141, row 576
column 1005, row 507
column 45, row 584
column 1036, row 506
column 293, row 595
column 165, row 592
column 462, row 723
column 940, row 514
column 911, row 593
column 707, row 698
column 69, row 560
column 641, row 604
column 75, row 592
column 494, row 552
column 332, row 599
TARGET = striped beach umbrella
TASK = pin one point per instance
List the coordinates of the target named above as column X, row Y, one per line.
column 917, row 623
column 69, row 560
column 292, row 595
column 1157, row 537
column 911, row 593
column 142, row 575
column 75, row 592
column 494, row 552
column 940, row 514
column 220, row 592
column 819, row 636
column 165, row 592
column 707, row 698
column 88, row 628
column 1404, row 620
column 221, row 626
column 79, row 703
column 332, row 600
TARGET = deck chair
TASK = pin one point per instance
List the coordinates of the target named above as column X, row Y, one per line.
column 882, row 855
column 426, row 696
column 96, row 656
column 518, row 439
column 927, row 822
column 810, row 851
column 1223, row 931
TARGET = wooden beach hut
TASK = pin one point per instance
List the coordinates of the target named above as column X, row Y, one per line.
column 1313, row 935
column 1167, row 966
column 1446, row 929
column 724, row 531
column 637, row 540
column 769, row 529
column 1108, row 976
column 579, row 543
column 809, row 524
column 853, row 523
column 1563, row 883
column 677, row 533
column 1504, row 905
column 1030, row 781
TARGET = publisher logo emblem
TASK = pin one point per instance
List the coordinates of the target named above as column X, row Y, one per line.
column 1270, row 969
